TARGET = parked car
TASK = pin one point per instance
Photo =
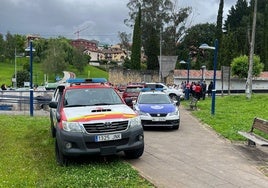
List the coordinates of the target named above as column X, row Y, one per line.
column 88, row 117
column 132, row 91
column 175, row 94
column 156, row 109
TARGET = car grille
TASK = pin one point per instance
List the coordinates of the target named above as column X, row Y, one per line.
column 168, row 122
column 106, row 127
column 158, row 115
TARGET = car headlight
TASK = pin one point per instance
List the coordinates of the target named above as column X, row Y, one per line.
column 142, row 113
column 136, row 121
column 139, row 112
column 175, row 113
column 71, row 126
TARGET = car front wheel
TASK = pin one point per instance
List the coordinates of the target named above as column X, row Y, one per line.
column 134, row 154
column 61, row 159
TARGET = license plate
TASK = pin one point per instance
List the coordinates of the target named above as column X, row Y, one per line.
column 107, row 137
column 159, row 119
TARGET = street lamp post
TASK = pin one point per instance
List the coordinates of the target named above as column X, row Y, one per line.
column 203, row 69
column 15, row 81
column 215, row 48
column 160, row 58
column 30, row 49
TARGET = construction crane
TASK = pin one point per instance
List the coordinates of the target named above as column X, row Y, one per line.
column 78, row 31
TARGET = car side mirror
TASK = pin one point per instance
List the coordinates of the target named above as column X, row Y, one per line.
column 53, row 104
column 129, row 101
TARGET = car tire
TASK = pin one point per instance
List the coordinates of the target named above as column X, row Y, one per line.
column 176, row 127
column 135, row 153
column 61, row 159
column 173, row 96
column 53, row 131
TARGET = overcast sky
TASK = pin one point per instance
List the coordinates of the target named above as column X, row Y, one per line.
column 100, row 19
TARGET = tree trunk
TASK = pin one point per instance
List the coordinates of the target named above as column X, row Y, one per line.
column 252, row 44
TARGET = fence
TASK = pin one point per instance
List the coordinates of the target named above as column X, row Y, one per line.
column 20, row 100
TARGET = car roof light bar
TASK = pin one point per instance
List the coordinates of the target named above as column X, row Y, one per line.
column 86, row 80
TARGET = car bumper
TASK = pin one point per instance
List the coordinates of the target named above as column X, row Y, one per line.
column 168, row 122
column 85, row 144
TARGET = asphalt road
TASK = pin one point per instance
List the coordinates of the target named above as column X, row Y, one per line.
column 196, row 157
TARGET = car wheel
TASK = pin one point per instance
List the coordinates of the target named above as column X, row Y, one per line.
column 53, row 131
column 173, row 97
column 61, row 159
column 52, row 128
column 176, row 127
column 134, row 154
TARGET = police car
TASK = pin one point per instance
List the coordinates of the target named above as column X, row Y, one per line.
column 88, row 117
column 156, row 109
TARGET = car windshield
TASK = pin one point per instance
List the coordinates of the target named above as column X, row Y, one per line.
column 154, row 99
column 91, row 97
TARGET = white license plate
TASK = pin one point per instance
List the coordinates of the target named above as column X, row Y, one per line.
column 107, row 137
column 159, row 119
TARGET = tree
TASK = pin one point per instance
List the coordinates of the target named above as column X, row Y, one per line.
column 151, row 48
column 10, row 46
column 2, row 47
column 124, row 40
column 155, row 15
column 240, row 66
column 251, row 54
column 194, row 37
column 136, row 44
column 237, row 22
column 22, row 76
column 264, row 42
column 80, row 60
column 219, row 29
column 55, row 59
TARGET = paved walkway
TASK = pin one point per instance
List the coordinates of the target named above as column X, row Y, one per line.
column 196, row 157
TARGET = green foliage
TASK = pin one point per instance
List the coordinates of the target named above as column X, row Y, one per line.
column 238, row 24
column 151, row 49
column 79, row 60
column 159, row 15
column 195, row 36
column 27, row 159
column 240, row 66
column 22, row 76
column 7, row 72
column 232, row 113
column 136, row 47
column 54, row 61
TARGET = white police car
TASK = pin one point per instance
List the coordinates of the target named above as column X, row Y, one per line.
column 156, row 109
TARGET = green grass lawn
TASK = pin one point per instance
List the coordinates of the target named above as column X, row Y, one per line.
column 27, row 160
column 232, row 113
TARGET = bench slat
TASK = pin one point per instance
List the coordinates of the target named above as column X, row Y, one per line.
column 255, row 138
column 260, row 124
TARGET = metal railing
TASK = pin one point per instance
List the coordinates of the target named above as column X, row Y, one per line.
column 20, row 100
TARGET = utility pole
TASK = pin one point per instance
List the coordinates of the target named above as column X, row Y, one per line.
column 251, row 55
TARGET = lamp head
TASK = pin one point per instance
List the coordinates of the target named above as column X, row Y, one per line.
column 206, row 47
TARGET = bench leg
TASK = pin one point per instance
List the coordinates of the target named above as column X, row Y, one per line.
column 251, row 143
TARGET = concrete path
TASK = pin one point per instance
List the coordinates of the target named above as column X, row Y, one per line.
column 196, row 157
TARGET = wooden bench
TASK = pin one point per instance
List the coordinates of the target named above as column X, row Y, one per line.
column 193, row 103
column 260, row 125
